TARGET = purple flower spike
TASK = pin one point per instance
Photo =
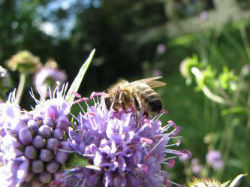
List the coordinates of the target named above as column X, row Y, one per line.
column 121, row 148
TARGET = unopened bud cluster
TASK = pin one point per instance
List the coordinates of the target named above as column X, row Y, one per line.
column 37, row 138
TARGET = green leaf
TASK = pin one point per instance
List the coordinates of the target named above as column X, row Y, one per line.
column 236, row 180
column 225, row 184
column 233, row 110
column 77, row 82
column 186, row 40
column 75, row 160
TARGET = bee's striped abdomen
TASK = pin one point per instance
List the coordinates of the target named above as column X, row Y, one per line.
column 149, row 98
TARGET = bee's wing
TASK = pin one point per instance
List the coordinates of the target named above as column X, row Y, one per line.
column 150, row 82
column 117, row 84
column 154, row 84
column 146, row 80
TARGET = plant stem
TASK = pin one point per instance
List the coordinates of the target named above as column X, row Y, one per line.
column 226, row 141
column 20, row 88
column 206, row 90
column 248, row 106
column 245, row 42
column 237, row 46
column 248, row 120
column 213, row 96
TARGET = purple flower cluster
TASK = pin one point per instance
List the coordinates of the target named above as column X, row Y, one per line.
column 32, row 145
column 120, row 148
column 109, row 148
column 214, row 159
column 161, row 49
column 47, row 77
column 196, row 166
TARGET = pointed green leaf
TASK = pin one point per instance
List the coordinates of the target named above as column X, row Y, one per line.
column 77, row 81
column 237, row 180
column 225, row 184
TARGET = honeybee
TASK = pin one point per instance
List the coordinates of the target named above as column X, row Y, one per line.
column 138, row 95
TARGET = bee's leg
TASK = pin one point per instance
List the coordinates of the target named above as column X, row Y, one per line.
column 111, row 103
column 137, row 118
column 121, row 101
column 124, row 101
column 108, row 102
column 136, row 106
column 146, row 114
column 136, row 103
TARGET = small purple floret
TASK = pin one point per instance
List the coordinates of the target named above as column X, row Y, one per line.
column 39, row 142
column 37, row 166
column 61, row 157
column 25, row 136
column 45, row 177
column 52, row 167
column 33, row 126
column 58, row 133
column 30, row 152
column 46, row 155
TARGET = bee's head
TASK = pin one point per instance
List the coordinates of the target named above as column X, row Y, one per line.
column 155, row 105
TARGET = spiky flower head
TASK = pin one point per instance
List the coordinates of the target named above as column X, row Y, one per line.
column 32, row 144
column 215, row 183
column 24, row 62
column 118, row 148
column 205, row 183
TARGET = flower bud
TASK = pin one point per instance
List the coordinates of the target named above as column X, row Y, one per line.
column 24, row 62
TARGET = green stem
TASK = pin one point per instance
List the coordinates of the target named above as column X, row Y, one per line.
column 20, row 87
column 248, row 106
column 237, row 46
column 229, row 138
column 216, row 98
column 213, row 96
column 248, row 120
column 226, row 142
column 245, row 42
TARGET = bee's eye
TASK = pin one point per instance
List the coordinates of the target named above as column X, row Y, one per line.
column 155, row 105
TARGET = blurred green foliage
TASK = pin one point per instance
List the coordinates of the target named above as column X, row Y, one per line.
column 221, row 54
